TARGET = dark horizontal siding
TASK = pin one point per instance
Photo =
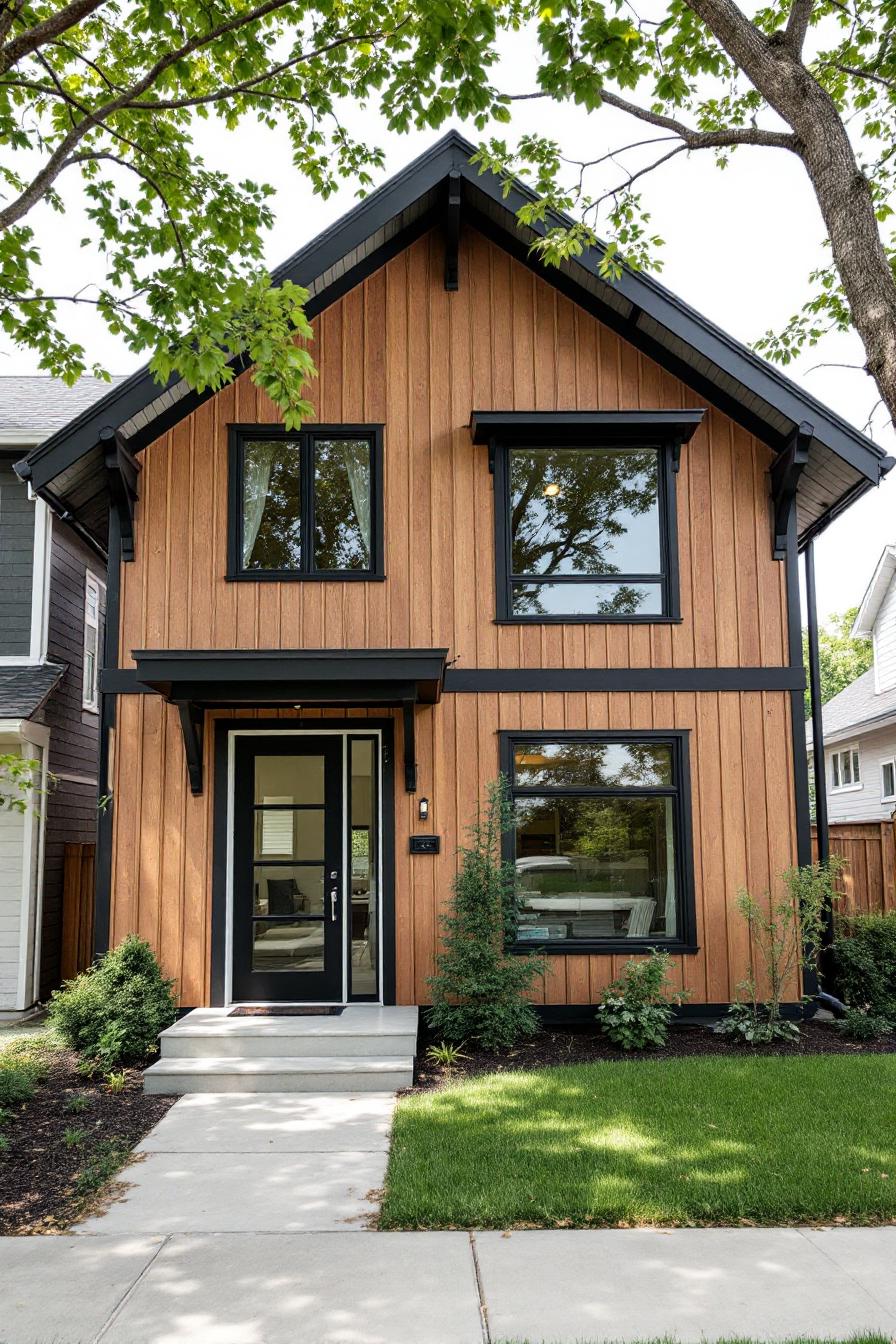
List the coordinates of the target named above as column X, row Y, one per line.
column 74, row 736
column 16, row 564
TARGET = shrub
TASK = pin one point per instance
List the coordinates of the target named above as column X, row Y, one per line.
column 23, row 1063
column 114, row 1012
column 864, row 962
column 785, row 935
column 861, row 1025
column 636, row 1009
column 478, row 991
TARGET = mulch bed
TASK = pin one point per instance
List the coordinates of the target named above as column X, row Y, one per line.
column 587, row 1045
column 39, row 1171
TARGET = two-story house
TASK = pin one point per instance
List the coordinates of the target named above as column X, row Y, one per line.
column 52, row 586
column 540, row 523
column 860, row 723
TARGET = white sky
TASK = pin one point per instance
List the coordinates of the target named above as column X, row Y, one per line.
column 739, row 247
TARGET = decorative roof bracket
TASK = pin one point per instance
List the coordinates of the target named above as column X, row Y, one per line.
column 122, row 474
column 786, row 471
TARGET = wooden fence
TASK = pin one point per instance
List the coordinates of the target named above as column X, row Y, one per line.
column 868, row 881
column 77, row 909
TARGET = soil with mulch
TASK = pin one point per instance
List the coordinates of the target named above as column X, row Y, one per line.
column 42, row 1178
column 587, row 1045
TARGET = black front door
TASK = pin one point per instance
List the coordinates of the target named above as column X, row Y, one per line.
column 287, row 879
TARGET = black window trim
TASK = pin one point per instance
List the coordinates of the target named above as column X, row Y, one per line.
column 238, row 434
column 678, row 739
column 668, row 576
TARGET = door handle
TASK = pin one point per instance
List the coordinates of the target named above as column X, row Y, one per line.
column 334, row 892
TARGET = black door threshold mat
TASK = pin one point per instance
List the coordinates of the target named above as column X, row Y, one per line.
column 284, row 1010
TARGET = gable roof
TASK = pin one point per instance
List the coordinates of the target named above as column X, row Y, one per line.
column 875, row 593
column 24, row 689
column 67, row 468
column 856, row 709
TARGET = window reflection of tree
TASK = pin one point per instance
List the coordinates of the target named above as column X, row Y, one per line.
column 338, row 537
column 278, row 543
column 594, row 764
column 574, row 528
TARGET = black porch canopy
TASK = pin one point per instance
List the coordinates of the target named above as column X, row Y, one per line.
column 200, row 679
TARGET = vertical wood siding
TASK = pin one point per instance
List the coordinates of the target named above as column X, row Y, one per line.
column 399, row 350
column 743, row 825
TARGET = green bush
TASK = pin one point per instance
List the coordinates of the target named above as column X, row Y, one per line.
column 860, row 1025
column 636, row 1009
column 864, row 962
column 114, row 1012
column 23, row 1064
column 479, row 987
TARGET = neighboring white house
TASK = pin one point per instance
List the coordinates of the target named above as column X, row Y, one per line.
column 860, row 722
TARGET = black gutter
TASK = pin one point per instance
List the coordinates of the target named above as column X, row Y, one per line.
column 102, row 882
column 821, row 799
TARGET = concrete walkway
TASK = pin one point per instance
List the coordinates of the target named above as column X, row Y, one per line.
column 241, row 1222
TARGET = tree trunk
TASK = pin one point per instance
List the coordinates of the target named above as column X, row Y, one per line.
column 841, row 189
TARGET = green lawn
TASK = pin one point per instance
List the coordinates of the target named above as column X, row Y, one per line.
column 691, row 1141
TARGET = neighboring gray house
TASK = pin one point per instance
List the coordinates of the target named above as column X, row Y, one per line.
column 52, row 602
column 860, row 722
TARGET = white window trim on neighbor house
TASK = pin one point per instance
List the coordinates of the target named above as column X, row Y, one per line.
column 853, row 756
column 888, row 797
column 94, row 589
column 40, row 588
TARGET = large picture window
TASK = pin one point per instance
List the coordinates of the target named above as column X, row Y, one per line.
column 601, row 841
column 306, row 505
column 585, row 533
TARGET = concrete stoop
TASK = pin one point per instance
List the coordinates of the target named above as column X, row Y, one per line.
column 367, row 1048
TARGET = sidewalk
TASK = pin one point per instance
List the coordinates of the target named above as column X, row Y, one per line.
column 245, row 1223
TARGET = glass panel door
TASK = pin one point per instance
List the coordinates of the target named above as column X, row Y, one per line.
column 287, row 880
column 364, row 859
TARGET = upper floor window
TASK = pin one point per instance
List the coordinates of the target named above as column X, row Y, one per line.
column 585, row 513
column 888, row 781
column 845, row 769
column 306, row 505
column 93, row 600
column 601, row 841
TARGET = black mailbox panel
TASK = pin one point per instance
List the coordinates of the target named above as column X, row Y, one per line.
column 425, row 844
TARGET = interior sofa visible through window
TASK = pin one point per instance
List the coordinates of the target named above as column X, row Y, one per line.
column 305, row 505
column 602, row 839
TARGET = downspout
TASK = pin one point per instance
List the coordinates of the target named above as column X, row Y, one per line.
column 821, row 799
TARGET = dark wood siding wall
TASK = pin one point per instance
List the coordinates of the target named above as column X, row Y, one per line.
column 16, row 563
column 74, row 736
column 400, row 350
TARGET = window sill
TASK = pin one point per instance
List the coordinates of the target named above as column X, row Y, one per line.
column 605, row 947
column 288, row 576
column 587, row 620
column 847, row 788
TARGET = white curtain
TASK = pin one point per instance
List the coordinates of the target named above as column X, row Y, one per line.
column 356, row 456
column 258, row 459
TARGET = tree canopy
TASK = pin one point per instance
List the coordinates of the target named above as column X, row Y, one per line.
column 112, row 95
column 841, row 659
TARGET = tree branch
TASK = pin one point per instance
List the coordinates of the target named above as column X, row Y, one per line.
column 797, row 26
column 725, row 138
column 50, row 28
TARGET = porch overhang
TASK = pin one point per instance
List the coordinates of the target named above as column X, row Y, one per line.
column 198, row 679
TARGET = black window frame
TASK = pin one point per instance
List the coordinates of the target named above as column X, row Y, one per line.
column 678, row 740
column 668, row 576
column 238, row 436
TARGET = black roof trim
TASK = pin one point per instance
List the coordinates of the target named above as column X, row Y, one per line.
column 450, row 155
column 621, row 426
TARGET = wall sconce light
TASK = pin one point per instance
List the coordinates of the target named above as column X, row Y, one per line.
column 423, row 809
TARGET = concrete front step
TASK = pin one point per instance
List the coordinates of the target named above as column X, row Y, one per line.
column 362, row 1030
column 320, row 1073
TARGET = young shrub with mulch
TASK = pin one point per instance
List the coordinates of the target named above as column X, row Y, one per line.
column 64, row 1132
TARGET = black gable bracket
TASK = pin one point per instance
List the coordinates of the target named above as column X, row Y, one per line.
column 410, row 746
column 191, row 721
column 786, row 471
column 122, row 474
column 452, row 233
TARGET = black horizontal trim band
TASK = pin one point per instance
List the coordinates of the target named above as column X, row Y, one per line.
column 514, row 680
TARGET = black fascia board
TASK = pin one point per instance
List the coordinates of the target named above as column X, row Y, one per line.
column 200, row 674
column 452, row 154
column 584, row 426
